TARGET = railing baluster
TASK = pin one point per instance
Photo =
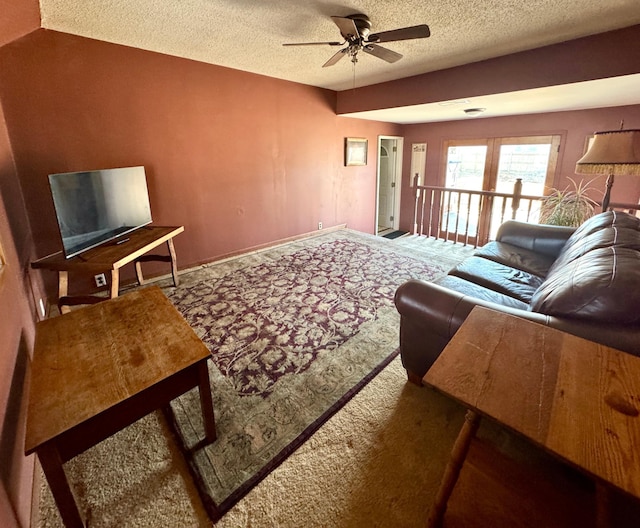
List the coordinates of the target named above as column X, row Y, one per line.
column 434, row 203
column 449, row 194
column 416, row 205
column 455, row 237
column 481, row 199
column 440, row 212
column 517, row 194
column 430, row 212
column 420, row 222
column 466, row 234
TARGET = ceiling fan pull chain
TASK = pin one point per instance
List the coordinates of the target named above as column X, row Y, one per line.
column 353, row 67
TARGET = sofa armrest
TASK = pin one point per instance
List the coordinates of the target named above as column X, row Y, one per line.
column 429, row 317
column 541, row 238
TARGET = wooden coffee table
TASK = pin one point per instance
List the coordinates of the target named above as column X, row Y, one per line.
column 98, row 369
column 576, row 399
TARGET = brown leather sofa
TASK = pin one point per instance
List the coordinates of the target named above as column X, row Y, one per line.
column 584, row 281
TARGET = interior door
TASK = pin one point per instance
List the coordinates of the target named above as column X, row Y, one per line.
column 389, row 177
column 386, row 190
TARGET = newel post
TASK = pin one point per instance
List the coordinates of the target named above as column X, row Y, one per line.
column 515, row 201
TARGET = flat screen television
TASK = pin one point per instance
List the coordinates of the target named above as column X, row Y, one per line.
column 97, row 206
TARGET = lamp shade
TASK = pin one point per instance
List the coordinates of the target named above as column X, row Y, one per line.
column 612, row 152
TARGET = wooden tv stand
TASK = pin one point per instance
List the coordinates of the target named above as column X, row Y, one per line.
column 111, row 256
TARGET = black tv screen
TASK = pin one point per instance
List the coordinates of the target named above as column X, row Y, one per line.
column 96, row 206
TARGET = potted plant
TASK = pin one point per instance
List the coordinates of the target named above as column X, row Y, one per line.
column 568, row 207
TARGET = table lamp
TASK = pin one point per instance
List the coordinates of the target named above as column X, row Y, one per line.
column 612, row 152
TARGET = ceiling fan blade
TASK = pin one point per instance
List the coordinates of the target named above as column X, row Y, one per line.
column 347, row 26
column 413, row 32
column 335, row 58
column 314, row 44
column 382, row 53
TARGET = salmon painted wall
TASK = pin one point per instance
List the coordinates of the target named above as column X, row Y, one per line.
column 16, row 341
column 238, row 159
column 16, row 308
column 574, row 127
column 18, row 18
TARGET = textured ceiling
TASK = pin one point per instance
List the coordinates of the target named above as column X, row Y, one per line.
column 248, row 34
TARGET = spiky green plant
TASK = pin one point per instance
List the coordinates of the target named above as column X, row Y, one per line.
column 568, row 207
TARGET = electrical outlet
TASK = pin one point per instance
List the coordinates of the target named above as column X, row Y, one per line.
column 101, row 280
column 319, row 225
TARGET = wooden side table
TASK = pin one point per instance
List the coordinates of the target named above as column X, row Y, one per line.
column 101, row 368
column 576, row 399
column 112, row 256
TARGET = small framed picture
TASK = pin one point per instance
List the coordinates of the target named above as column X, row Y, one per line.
column 355, row 151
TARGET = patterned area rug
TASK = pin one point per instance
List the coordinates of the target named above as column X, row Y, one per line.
column 294, row 332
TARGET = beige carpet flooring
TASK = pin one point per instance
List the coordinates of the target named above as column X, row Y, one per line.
column 377, row 462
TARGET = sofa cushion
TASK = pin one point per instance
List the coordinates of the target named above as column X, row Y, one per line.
column 516, row 257
column 479, row 292
column 602, row 220
column 603, row 230
column 503, row 279
column 601, row 285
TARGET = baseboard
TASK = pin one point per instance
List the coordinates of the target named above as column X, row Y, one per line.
column 264, row 247
column 240, row 253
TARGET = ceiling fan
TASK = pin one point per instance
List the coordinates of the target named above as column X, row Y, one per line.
column 356, row 32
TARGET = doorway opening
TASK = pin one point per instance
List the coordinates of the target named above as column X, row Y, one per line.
column 389, row 184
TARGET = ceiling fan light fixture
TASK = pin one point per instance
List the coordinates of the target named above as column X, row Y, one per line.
column 474, row 111
column 456, row 102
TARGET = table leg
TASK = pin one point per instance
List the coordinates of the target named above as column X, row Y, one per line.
column 174, row 265
column 63, row 289
column 139, row 276
column 206, row 402
column 59, row 485
column 452, row 471
column 115, row 283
